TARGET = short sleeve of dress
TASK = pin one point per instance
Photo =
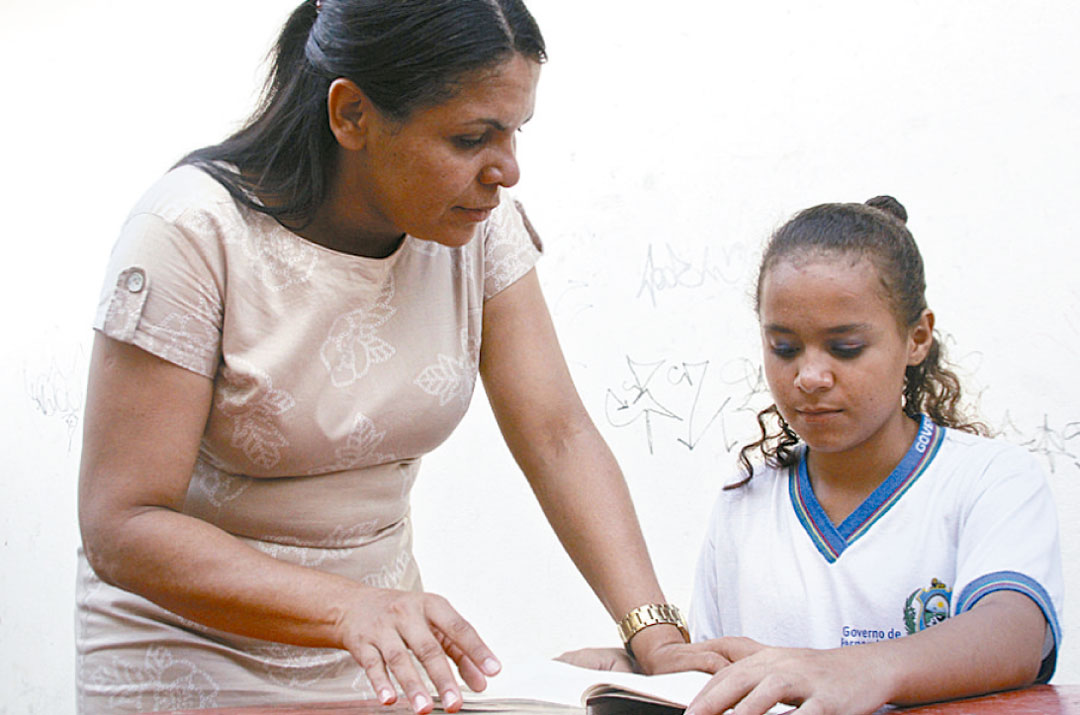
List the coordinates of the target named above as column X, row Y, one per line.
column 511, row 246
column 163, row 293
column 1009, row 541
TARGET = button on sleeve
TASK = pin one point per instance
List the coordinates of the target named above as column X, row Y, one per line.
column 126, row 304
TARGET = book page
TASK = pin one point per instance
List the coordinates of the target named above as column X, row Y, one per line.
column 550, row 685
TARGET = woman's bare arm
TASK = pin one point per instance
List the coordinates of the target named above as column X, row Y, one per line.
column 144, row 421
column 570, row 468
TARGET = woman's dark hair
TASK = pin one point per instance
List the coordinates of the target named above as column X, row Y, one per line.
column 876, row 231
column 403, row 54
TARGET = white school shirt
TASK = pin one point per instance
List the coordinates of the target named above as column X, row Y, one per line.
column 960, row 517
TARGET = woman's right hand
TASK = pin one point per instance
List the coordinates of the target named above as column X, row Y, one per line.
column 145, row 420
column 386, row 628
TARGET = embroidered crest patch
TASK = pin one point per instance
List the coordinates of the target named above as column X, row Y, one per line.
column 927, row 606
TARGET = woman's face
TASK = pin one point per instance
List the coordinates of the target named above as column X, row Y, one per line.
column 436, row 176
column 834, row 353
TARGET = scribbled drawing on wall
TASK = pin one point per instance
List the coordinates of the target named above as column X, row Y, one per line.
column 56, row 391
column 683, row 402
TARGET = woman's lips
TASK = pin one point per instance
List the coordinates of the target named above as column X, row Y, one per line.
column 477, row 215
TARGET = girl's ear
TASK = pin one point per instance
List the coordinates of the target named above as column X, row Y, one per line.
column 351, row 113
column 921, row 337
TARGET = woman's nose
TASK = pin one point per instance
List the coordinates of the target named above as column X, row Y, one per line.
column 503, row 169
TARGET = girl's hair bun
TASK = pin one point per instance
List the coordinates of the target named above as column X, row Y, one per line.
column 890, row 206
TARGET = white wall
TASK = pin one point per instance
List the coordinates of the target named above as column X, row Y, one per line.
column 669, row 140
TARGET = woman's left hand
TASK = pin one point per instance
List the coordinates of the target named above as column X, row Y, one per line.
column 822, row 682
column 599, row 659
column 663, row 655
column 661, row 649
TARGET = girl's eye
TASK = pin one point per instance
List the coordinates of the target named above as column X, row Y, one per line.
column 783, row 350
column 847, row 351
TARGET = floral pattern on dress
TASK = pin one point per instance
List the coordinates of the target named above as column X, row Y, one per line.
column 338, row 544
column 362, row 685
column 506, row 257
column 279, row 258
column 424, row 247
column 294, row 666
column 217, row 485
column 352, row 346
column 89, row 586
column 462, row 258
column 450, row 377
column 249, row 397
column 160, row 682
column 389, row 575
column 189, row 340
column 359, row 449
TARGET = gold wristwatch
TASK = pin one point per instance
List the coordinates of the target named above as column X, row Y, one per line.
column 651, row 614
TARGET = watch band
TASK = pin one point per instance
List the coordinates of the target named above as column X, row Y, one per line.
column 651, row 614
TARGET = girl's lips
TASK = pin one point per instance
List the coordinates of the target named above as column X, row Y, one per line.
column 817, row 415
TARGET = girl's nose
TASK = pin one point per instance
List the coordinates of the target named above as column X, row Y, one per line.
column 813, row 376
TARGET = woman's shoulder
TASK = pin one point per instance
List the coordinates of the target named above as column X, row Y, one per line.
column 192, row 203
column 510, row 245
column 182, row 190
column 185, row 218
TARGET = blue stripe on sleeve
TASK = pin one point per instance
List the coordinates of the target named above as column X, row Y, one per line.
column 1013, row 581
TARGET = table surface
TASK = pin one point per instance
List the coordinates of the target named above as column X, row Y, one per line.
column 1037, row 700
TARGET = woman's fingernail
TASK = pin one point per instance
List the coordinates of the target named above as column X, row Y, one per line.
column 491, row 666
column 387, row 696
column 449, row 699
column 420, row 702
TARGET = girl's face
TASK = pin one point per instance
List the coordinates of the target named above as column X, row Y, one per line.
column 437, row 175
column 835, row 354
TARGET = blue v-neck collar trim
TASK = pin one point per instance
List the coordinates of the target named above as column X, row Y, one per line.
column 832, row 540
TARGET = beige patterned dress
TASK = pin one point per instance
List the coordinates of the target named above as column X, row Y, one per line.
column 332, row 375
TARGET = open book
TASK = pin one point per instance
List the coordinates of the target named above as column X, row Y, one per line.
column 554, row 687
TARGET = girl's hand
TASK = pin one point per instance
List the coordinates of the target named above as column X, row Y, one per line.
column 822, row 682
column 384, row 628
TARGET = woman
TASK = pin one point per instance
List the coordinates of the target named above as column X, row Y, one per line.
column 291, row 319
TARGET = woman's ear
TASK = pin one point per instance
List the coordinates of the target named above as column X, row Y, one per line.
column 350, row 113
column 921, row 337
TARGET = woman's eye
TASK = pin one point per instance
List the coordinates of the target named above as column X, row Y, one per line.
column 469, row 142
column 846, row 351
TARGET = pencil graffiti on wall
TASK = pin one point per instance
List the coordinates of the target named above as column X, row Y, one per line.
column 676, row 405
column 1056, row 441
column 56, row 391
column 668, row 268
column 684, row 404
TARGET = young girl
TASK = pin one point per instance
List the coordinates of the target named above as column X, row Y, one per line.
column 885, row 552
